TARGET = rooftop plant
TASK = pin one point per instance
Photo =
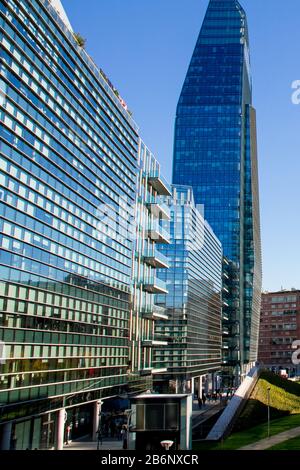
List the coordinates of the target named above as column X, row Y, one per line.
column 80, row 40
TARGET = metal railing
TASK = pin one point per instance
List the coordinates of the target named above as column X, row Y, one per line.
column 155, row 281
column 156, row 228
column 155, row 253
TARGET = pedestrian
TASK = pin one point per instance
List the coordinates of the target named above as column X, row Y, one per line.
column 99, row 437
column 200, row 403
column 203, row 398
column 14, row 442
column 124, row 437
column 120, row 431
column 68, row 432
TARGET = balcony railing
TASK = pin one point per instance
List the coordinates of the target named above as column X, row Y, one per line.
column 159, row 183
column 157, row 233
column 225, row 317
column 158, row 208
column 156, row 259
column 161, row 370
column 154, row 341
column 153, row 285
column 159, row 310
column 155, row 312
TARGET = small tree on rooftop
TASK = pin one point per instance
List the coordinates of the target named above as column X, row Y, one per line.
column 80, row 40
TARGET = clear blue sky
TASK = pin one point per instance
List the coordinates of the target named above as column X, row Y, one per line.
column 144, row 46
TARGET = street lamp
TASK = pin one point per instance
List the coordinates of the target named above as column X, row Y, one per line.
column 167, row 444
column 268, row 393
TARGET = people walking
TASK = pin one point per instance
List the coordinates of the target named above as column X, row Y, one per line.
column 68, row 434
column 124, row 437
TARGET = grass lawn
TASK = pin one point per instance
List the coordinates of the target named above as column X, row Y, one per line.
column 291, row 444
column 243, row 438
column 251, row 425
column 284, row 400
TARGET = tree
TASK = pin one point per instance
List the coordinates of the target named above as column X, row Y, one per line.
column 80, row 40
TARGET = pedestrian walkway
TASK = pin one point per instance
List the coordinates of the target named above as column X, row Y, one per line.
column 199, row 415
column 273, row 440
column 87, row 444
column 206, row 411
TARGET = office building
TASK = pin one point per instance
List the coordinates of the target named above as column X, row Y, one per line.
column 69, row 151
column 279, row 328
column 193, row 301
column 215, row 153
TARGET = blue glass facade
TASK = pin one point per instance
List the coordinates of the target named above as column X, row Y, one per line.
column 215, row 153
column 193, row 301
column 68, row 172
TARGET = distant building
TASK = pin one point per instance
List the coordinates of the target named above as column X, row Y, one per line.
column 279, row 327
column 193, row 301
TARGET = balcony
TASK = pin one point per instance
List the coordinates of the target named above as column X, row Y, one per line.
column 153, row 285
column 156, row 259
column 158, row 208
column 159, row 371
column 225, row 317
column 157, row 233
column 154, row 312
column 146, row 371
column 159, row 184
column 150, row 342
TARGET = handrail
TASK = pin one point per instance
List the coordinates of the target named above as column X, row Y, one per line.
column 226, row 421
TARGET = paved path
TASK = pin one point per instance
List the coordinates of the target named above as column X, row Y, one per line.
column 206, row 412
column 273, row 440
column 87, row 444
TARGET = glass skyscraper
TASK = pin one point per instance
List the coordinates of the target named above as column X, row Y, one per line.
column 68, row 171
column 215, row 153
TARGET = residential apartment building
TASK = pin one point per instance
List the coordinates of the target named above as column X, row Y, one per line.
column 151, row 214
column 69, row 152
column 279, row 327
column 193, row 302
